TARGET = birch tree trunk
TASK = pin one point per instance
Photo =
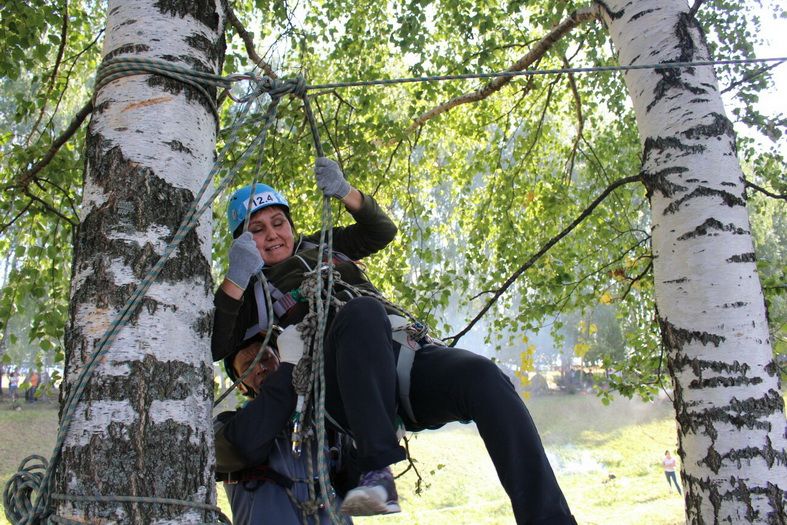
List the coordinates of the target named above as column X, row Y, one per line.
column 143, row 426
column 727, row 396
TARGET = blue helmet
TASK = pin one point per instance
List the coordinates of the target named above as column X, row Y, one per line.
column 264, row 196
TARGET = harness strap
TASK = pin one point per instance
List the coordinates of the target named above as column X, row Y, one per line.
column 282, row 302
column 404, row 364
column 259, row 473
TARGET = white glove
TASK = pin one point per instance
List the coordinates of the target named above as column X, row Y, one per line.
column 245, row 260
column 291, row 345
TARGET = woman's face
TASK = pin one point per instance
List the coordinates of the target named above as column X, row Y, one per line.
column 273, row 234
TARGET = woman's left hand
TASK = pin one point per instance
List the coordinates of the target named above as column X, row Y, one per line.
column 330, row 178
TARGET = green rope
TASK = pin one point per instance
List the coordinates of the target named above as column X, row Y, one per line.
column 324, row 252
column 21, row 487
column 536, row 72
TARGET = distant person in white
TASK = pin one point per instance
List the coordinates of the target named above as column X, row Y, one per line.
column 669, row 470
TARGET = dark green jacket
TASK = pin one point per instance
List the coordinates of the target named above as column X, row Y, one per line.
column 372, row 231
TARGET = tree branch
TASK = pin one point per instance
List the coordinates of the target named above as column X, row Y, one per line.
column 544, row 249
column 50, row 208
column 639, row 277
column 762, row 190
column 66, row 196
column 574, row 19
column 750, row 76
column 60, row 51
column 580, row 119
column 248, row 41
column 27, row 176
column 10, row 223
column 695, row 7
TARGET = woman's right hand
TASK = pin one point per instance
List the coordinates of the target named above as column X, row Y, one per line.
column 245, row 260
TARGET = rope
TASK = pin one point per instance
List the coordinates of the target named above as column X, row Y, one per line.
column 535, row 72
column 20, row 488
column 309, row 375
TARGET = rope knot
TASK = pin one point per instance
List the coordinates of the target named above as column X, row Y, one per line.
column 299, row 88
column 261, row 85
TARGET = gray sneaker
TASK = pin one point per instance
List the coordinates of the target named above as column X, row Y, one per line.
column 375, row 494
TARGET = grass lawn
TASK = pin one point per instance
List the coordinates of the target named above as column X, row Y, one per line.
column 587, row 444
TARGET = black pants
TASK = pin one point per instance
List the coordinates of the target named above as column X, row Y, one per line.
column 447, row 384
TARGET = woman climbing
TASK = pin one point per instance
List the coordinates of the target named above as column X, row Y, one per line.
column 377, row 365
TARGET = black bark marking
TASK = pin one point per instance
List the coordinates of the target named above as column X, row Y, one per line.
column 614, row 15
column 128, row 49
column 714, row 382
column 642, row 13
column 176, row 145
column 676, row 281
column 709, row 227
column 728, row 184
column 658, row 181
column 714, row 460
column 181, row 379
column 695, row 502
column 663, row 143
column 203, row 324
column 673, row 78
column 208, row 48
column 742, row 258
column 778, row 501
column 171, row 58
column 720, row 126
column 751, row 413
column 719, row 367
column 737, row 304
column 101, row 108
column 202, row 10
column 675, row 338
column 727, row 198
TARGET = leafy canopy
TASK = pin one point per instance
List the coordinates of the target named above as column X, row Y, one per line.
column 475, row 192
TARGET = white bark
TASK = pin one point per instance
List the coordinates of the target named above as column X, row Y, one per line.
column 143, row 426
column 730, row 414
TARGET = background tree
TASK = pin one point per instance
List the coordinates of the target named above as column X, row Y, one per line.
column 480, row 193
